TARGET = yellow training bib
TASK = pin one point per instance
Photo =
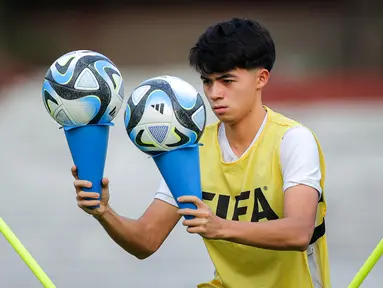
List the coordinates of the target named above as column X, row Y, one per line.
column 251, row 189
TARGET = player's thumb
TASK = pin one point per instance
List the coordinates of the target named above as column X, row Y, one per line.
column 105, row 190
column 105, row 183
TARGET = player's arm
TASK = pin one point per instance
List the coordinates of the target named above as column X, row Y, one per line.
column 293, row 232
column 301, row 173
column 141, row 237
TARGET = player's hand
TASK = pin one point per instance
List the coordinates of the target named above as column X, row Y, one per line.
column 205, row 222
column 89, row 199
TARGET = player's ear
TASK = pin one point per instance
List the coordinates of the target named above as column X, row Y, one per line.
column 262, row 77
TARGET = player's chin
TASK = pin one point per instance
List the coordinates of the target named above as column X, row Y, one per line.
column 225, row 118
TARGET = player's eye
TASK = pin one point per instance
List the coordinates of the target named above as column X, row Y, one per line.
column 227, row 81
column 206, row 81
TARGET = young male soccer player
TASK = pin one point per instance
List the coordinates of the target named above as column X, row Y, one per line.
column 263, row 208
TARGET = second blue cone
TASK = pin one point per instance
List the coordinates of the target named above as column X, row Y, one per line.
column 180, row 169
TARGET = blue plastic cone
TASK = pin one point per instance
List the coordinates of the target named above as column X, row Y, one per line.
column 88, row 145
column 180, row 169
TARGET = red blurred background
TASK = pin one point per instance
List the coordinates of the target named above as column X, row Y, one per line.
column 325, row 49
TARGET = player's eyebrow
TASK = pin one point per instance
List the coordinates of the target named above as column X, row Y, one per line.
column 226, row 75
column 223, row 76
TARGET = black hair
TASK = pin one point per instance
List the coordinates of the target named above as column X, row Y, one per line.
column 237, row 43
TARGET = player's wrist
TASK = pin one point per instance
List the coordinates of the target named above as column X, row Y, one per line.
column 103, row 213
column 224, row 231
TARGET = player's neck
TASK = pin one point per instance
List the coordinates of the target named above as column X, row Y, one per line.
column 241, row 134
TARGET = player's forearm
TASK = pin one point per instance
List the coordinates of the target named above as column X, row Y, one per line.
column 281, row 234
column 127, row 233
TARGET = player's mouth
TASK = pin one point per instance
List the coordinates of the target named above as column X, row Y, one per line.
column 220, row 109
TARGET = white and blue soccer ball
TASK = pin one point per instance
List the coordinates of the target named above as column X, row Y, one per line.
column 83, row 87
column 164, row 113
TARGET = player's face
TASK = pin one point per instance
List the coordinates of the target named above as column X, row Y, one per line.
column 234, row 94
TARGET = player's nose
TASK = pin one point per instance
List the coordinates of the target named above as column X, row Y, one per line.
column 215, row 93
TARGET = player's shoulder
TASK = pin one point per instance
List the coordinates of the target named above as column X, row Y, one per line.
column 300, row 143
column 293, row 130
column 281, row 119
column 298, row 134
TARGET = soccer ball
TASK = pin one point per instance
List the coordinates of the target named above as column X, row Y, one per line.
column 83, row 87
column 164, row 113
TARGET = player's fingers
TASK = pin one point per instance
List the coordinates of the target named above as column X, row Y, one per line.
column 82, row 195
column 78, row 184
column 195, row 222
column 200, row 213
column 192, row 199
column 195, row 229
column 74, row 172
column 87, row 203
